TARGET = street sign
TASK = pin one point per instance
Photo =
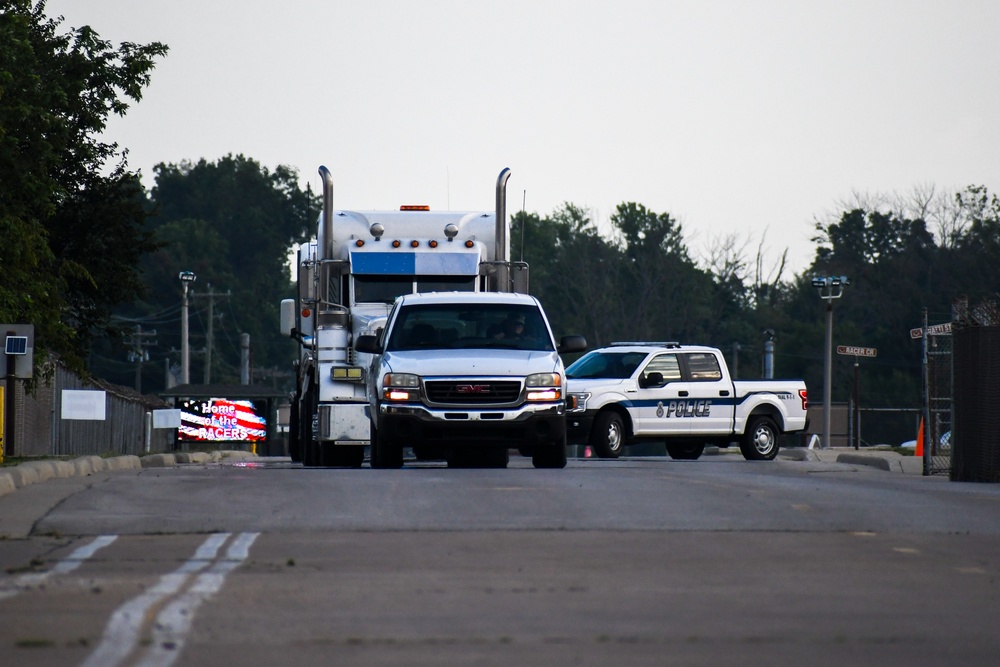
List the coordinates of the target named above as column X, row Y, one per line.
column 856, row 351
column 933, row 330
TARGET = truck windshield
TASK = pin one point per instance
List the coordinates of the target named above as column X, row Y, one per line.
column 610, row 365
column 385, row 289
column 469, row 326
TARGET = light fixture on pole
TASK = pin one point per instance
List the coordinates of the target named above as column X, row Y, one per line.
column 186, row 278
column 830, row 288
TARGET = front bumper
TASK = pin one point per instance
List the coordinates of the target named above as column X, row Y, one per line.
column 529, row 425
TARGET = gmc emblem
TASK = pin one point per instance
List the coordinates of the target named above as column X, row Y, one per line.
column 472, row 388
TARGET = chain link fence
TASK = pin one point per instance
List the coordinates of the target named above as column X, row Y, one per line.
column 938, row 397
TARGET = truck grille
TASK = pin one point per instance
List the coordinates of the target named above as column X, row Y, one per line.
column 472, row 392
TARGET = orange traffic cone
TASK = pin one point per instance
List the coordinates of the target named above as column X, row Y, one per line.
column 919, row 449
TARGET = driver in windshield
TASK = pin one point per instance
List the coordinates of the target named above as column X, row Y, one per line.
column 511, row 328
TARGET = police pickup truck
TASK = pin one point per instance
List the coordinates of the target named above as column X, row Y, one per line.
column 630, row 393
column 467, row 376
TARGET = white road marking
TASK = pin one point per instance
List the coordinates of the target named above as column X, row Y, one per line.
column 65, row 566
column 173, row 624
column 122, row 633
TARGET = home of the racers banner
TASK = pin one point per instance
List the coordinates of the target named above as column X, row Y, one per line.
column 220, row 419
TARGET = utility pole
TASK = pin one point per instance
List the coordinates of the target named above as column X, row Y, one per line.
column 10, row 407
column 207, row 377
column 244, row 358
column 138, row 353
column 186, row 278
column 768, row 354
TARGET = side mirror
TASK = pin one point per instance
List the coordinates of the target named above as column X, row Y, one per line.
column 572, row 344
column 653, row 379
column 287, row 317
column 367, row 344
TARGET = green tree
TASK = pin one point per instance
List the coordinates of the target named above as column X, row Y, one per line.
column 971, row 267
column 232, row 223
column 71, row 214
column 666, row 293
column 573, row 271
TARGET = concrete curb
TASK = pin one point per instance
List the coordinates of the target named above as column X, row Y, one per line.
column 6, row 484
column 34, row 472
column 864, row 460
column 158, row 461
column 798, row 454
column 885, row 460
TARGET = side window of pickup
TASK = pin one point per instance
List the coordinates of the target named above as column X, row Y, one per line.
column 703, row 367
column 660, row 370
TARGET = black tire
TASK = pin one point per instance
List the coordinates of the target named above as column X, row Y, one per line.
column 685, row 451
column 552, row 456
column 607, row 437
column 384, row 455
column 760, row 439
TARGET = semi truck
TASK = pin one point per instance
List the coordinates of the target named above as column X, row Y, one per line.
column 348, row 280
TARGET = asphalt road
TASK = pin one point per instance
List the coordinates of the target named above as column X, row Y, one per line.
column 631, row 562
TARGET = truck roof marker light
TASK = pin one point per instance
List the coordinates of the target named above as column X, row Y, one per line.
column 432, row 243
column 359, row 242
column 414, row 207
column 396, row 243
column 414, row 243
column 469, row 243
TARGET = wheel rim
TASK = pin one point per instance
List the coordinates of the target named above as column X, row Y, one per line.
column 763, row 439
column 614, row 435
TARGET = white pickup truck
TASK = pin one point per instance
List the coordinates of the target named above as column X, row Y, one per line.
column 629, row 393
column 467, row 376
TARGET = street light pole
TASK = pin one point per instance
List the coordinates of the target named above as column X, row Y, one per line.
column 830, row 288
column 186, row 278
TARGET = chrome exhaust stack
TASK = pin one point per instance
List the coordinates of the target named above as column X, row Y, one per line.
column 325, row 237
column 327, row 311
column 502, row 259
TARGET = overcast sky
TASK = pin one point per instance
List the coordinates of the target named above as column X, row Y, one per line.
column 747, row 117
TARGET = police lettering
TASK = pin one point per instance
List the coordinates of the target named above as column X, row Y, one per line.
column 687, row 409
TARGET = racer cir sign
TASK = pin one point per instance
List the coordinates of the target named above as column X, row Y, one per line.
column 856, row 351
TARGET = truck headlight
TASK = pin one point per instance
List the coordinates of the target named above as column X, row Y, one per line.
column 543, row 387
column 577, row 402
column 400, row 386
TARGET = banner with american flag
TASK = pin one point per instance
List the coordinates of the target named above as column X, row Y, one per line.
column 221, row 419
